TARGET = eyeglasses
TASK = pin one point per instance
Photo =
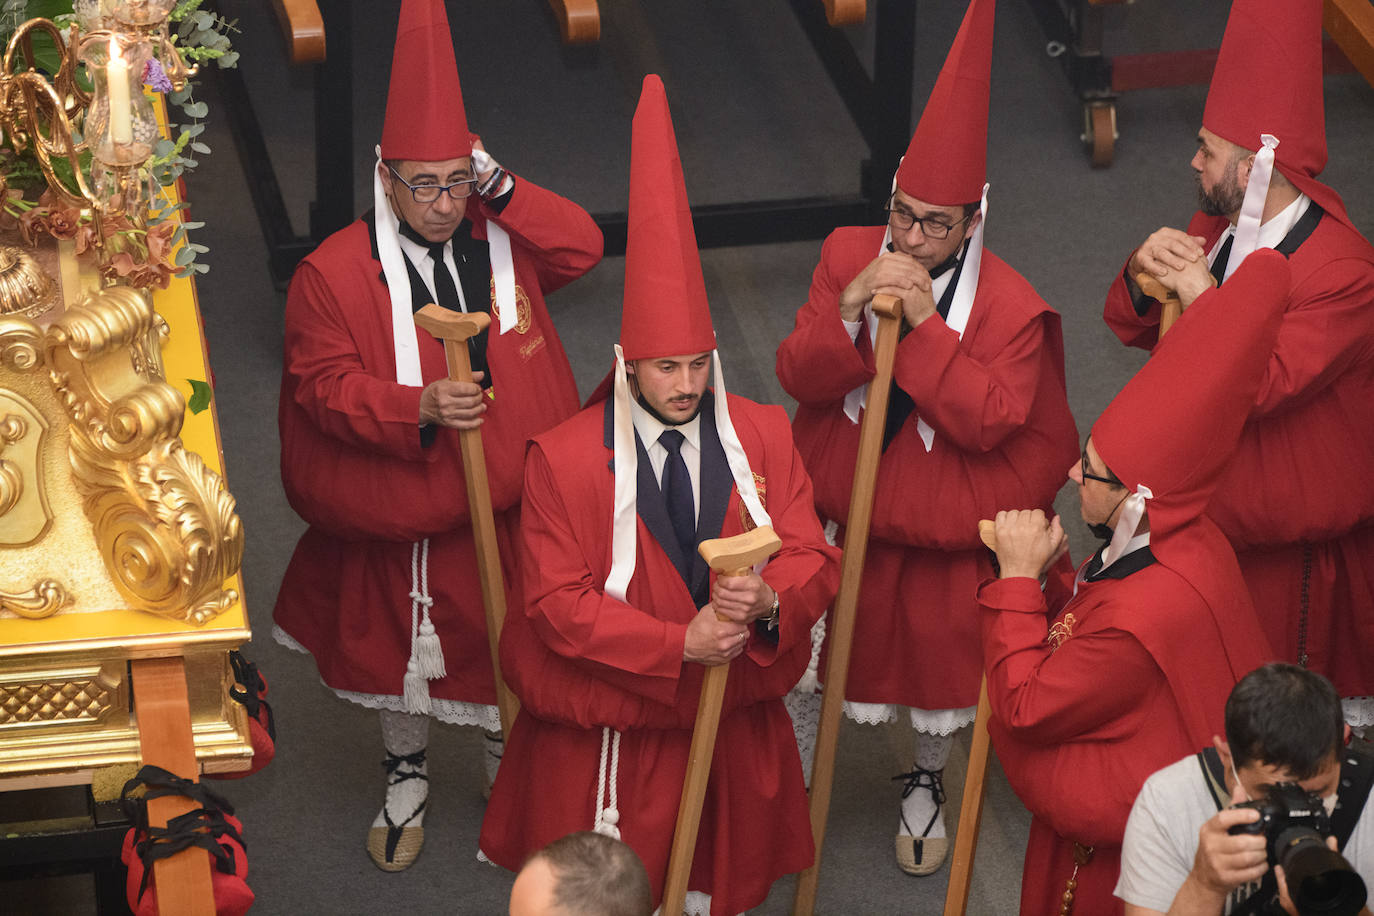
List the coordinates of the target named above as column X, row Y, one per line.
column 1087, row 475
column 902, row 220
column 429, row 193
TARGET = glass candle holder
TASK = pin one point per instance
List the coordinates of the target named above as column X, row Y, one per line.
column 140, row 15
column 120, row 125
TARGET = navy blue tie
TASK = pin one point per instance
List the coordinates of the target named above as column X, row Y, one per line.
column 677, row 492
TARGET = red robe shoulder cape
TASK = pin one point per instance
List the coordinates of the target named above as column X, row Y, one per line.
column 354, row 469
column 580, row 660
column 1003, row 436
column 1299, row 491
column 1139, row 678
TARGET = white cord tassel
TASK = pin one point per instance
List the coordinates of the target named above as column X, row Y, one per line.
column 609, row 816
column 428, row 653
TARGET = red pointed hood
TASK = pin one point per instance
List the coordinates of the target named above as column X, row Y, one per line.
column 665, row 312
column 1176, row 423
column 946, row 161
column 425, row 119
column 1268, row 80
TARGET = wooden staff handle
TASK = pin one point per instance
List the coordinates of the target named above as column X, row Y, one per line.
column 975, row 784
column 454, row 329
column 732, row 556
column 1171, row 307
column 888, row 310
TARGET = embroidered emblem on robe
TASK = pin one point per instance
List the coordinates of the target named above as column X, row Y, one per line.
column 522, row 308
column 1060, row 631
column 745, row 521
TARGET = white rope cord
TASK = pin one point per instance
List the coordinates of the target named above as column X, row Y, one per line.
column 608, row 816
column 426, row 654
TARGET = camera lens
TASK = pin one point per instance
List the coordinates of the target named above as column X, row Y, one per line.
column 1320, row 881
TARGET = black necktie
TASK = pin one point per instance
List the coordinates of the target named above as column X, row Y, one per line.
column 1219, row 262
column 446, row 295
column 677, row 492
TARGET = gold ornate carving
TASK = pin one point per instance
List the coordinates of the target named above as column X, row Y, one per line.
column 46, row 598
column 165, row 523
column 66, row 696
column 24, row 511
column 25, row 288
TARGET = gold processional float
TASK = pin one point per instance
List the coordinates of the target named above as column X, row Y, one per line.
column 119, row 543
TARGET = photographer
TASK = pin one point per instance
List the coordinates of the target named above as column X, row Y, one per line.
column 1283, row 725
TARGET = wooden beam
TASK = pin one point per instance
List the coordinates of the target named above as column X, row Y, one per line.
column 164, row 734
column 303, row 28
column 579, row 21
column 1351, row 24
column 845, row 12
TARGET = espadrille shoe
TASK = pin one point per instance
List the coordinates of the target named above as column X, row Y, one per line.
column 922, row 854
column 395, row 844
column 395, row 848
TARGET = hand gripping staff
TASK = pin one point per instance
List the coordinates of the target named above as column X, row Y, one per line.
column 888, row 312
column 454, row 329
column 732, row 556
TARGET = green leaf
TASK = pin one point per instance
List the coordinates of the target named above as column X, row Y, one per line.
column 200, row 396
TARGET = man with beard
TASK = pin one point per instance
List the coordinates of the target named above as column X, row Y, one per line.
column 623, row 617
column 1306, row 546
column 1133, row 671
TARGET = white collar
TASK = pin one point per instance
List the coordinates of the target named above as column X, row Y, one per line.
column 650, row 427
column 1273, row 231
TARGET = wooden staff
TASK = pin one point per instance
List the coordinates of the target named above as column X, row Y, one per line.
column 888, row 311
column 1172, row 308
column 454, row 329
column 732, row 556
column 975, row 785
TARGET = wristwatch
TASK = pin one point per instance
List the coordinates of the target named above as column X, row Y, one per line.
column 773, row 612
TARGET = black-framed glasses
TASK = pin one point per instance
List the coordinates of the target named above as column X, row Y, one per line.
column 1087, row 475
column 931, row 227
column 429, row 193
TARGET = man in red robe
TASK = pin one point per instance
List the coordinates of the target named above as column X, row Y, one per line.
column 1135, row 669
column 383, row 586
column 1305, row 545
column 978, row 420
column 620, row 623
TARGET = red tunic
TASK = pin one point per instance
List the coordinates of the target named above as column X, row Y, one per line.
column 1297, row 499
column 1139, row 679
column 354, row 468
column 580, row 660
column 1003, row 437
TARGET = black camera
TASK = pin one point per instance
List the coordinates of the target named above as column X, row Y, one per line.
column 1295, row 827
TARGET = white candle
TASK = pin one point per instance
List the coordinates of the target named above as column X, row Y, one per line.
column 121, row 112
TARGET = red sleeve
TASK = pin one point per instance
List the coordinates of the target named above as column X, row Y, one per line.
column 330, row 382
column 818, row 363
column 1134, row 329
column 562, row 238
column 571, row 614
column 977, row 405
column 1046, row 696
column 1328, row 326
column 806, row 571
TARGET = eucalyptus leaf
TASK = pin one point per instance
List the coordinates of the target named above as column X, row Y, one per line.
column 200, row 395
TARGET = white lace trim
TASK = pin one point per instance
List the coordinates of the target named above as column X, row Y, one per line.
column 451, row 712
column 1359, row 711
column 929, row 721
column 696, row 904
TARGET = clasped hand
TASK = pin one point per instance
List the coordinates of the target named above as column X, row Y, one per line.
column 1027, row 544
column 459, row 405
column 898, row 275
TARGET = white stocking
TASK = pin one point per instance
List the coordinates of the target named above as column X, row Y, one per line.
column 923, row 794
column 405, row 737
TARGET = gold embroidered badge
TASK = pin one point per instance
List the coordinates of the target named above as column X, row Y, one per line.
column 759, row 484
column 1060, row 631
column 522, row 308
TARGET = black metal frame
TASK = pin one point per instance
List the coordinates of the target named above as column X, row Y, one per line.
column 81, row 844
column 1076, row 26
column 881, row 106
